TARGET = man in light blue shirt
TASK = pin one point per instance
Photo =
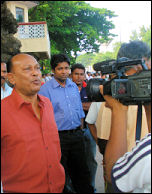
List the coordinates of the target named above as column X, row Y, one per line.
column 5, row 89
column 65, row 98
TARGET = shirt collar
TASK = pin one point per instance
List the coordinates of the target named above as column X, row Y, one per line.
column 55, row 84
column 19, row 101
column 6, row 86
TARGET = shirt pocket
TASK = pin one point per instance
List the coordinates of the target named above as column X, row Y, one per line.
column 75, row 101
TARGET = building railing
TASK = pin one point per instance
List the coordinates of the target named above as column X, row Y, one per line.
column 32, row 30
column 38, row 32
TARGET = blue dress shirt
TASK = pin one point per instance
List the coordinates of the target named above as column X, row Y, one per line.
column 66, row 102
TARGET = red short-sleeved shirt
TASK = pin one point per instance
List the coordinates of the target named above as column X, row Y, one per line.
column 30, row 148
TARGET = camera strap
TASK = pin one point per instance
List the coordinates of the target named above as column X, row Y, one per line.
column 139, row 122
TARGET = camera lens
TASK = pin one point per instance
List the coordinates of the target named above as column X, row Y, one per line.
column 93, row 91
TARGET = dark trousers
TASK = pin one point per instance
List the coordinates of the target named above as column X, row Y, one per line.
column 73, row 159
column 91, row 154
column 102, row 145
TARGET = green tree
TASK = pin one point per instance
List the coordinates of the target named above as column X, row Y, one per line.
column 9, row 44
column 74, row 26
column 90, row 59
column 116, row 47
column 143, row 35
column 86, row 59
column 134, row 35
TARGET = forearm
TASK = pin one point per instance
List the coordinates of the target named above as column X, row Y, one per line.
column 117, row 143
column 82, row 123
column 93, row 131
column 148, row 115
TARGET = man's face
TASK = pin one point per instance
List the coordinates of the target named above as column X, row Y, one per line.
column 25, row 74
column 61, row 72
column 78, row 76
column 147, row 62
column 134, row 69
column 3, row 73
column 137, row 68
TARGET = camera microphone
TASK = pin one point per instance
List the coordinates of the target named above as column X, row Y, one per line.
column 98, row 66
column 106, row 67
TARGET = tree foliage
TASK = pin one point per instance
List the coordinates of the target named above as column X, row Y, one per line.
column 143, row 35
column 86, row 59
column 90, row 59
column 74, row 26
column 9, row 44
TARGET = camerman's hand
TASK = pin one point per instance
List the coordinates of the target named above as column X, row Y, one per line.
column 148, row 115
column 117, row 143
column 112, row 103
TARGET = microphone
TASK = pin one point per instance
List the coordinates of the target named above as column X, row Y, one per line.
column 100, row 65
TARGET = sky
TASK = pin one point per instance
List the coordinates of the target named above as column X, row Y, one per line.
column 131, row 16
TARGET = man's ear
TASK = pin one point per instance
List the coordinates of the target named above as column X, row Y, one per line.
column 11, row 78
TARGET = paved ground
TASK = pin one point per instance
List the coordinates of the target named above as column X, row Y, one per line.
column 99, row 175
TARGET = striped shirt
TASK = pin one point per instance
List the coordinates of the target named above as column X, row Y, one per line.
column 132, row 172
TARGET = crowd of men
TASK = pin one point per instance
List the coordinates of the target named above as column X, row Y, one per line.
column 49, row 131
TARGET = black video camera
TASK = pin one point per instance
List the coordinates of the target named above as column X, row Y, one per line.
column 129, row 90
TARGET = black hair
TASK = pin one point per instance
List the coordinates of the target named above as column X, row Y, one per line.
column 77, row 66
column 9, row 65
column 59, row 58
column 134, row 50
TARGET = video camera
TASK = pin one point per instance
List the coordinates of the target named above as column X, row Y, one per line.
column 129, row 90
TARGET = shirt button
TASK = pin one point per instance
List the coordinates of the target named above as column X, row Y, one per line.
column 50, row 166
column 50, row 183
column 46, row 148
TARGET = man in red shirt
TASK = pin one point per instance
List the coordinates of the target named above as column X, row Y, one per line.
column 30, row 147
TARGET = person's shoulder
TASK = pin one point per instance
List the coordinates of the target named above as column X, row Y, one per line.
column 47, row 84
column 140, row 151
column 44, row 99
column 145, row 141
column 45, row 87
column 96, row 105
column 83, row 88
column 70, row 83
column 132, row 165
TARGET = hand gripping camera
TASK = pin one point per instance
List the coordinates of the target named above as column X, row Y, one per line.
column 129, row 90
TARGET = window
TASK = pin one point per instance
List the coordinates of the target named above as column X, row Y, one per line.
column 19, row 14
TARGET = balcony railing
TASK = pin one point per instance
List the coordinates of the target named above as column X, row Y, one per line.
column 34, row 33
column 31, row 30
